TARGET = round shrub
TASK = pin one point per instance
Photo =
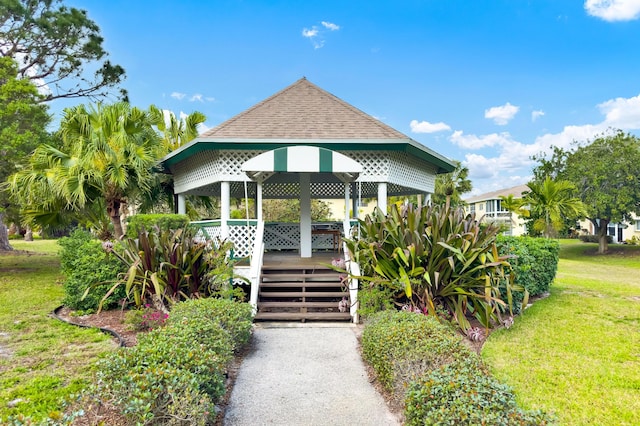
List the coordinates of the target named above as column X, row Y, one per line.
column 402, row 346
column 86, row 265
column 462, row 393
column 235, row 317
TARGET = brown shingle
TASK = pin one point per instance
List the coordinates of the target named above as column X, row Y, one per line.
column 303, row 111
column 516, row 191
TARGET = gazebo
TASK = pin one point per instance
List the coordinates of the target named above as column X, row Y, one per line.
column 301, row 143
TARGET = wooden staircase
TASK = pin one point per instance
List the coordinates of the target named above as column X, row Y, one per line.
column 294, row 292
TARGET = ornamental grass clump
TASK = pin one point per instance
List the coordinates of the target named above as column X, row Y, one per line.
column 435, row 260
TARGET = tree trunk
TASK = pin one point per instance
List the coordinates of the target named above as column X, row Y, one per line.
column 113, row 210
column 4, row 235
column 603, row 244
column 28, row 236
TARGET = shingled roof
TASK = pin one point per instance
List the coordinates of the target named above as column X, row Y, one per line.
column 303, row 111
column 516, row 191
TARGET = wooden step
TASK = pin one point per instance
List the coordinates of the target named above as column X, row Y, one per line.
column 316, row 294
column 309, row 268
column 311, row 284
column 289, row 316
column 299, row 277
column 270, row 305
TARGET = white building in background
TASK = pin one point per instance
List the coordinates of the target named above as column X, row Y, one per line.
column 488, row 208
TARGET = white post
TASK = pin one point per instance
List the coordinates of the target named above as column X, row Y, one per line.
column 382, row 196
column 182, row 205
column 346, row 205
column 305, row 215
column 259, row 201
column 354, row 201
column 225, row 207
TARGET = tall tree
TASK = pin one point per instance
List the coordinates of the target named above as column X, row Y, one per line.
column 606, row 174
column 53, row 46
column 22, row 127
column 108, row 154
column 552, row 202
column 174, row 132
column 450, row 187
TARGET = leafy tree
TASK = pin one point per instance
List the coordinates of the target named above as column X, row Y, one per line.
column 551, row 202
column 449, row 187
column 107, row 155
column 22, row 126
column 53, row 45
column 606, row 174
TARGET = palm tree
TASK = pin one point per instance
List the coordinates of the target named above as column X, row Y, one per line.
column 107, row 155
column 449, row 187
column 174, row 133
column 513, row 205
column 552, row 202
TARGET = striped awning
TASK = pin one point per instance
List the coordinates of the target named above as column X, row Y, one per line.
column 303, row 159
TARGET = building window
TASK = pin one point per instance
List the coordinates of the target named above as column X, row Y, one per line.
column 472, row 209
column 490, row 205
column 638, row 225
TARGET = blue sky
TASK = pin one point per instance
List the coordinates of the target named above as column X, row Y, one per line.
column 487, row 83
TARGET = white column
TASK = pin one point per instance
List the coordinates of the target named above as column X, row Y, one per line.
column 382, row 196
column 225, row 207
column 182, row 205
column 305, row 215
column 354, row 201
column 346, row 205
column 259, row 201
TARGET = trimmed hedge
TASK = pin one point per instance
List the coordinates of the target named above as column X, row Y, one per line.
column 177, row 371
column 138, row 222
column 534, row 263
column 463, row 393
column 86, row 264
column 402, row 346
column 234, row 317
column 441, row 381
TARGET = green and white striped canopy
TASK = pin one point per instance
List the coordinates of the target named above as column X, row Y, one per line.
column 303, row 159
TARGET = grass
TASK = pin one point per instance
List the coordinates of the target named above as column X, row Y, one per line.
column 42, row 361
column 577, row 353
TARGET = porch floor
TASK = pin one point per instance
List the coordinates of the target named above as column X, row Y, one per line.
column 293, row 259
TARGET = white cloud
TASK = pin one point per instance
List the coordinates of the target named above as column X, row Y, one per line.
column 309, row 33
column 426, row 127
column 177, row 95
column 316, row 34
column 536, row 114
column 330, row 26
column 202, row 128
column 209, row 99
column 623, row 113
column 478, row 142
column 613, row 10
column 501, row 115
column 196, row 97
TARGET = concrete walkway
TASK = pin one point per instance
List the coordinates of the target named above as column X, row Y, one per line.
column 305, row 375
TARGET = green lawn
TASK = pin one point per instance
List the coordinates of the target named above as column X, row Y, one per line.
column 41, row 359
column 577, row 353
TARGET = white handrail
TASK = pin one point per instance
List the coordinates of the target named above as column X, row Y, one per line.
column 354, row 270
column 256, row 265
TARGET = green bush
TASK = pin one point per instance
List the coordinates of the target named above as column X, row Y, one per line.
column 148, row 222
column 373, row 298
column 594, row 239
column 177, row 371
column 463, row 393
column 402, row 346
column 86, row 264
column 534, row 264
column 235, row 317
